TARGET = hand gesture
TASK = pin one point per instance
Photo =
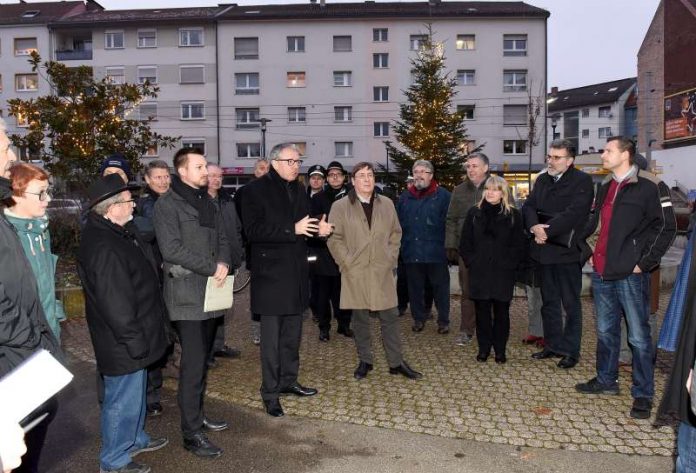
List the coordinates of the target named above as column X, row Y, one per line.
column 221, row 274
column 539, row 231
column 307, row 226
column 325, row 228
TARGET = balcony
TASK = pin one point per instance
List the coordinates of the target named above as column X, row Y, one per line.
column 73, row 55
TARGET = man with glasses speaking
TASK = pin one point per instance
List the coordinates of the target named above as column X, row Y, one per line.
column 555, row 212
column 275, row 215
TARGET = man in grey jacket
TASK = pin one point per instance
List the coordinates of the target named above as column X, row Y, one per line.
column 194, row 247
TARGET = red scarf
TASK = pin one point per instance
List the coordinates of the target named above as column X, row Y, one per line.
column 421, row 193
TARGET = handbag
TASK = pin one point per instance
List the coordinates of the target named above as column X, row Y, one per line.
column 564, row 239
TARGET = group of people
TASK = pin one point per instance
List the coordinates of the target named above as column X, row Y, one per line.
column 333, row 247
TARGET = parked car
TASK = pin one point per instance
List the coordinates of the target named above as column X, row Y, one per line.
column 64, row 206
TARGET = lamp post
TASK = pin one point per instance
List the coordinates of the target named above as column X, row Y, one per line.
column 263, row 122
column 386, row 146
column 554, row 124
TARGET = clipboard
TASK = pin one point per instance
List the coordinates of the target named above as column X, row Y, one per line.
column 218, row 298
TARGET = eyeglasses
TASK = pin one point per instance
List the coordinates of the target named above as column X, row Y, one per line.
column 335, row 174
column 44, row 195
column 422, row 172
column 292, row 162
column 131, row 201
column 555, row 158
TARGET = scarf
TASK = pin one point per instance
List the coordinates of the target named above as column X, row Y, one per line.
column 198, row 199
column 420, row 193
column 489, row 214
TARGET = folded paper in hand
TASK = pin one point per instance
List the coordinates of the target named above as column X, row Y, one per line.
column 564, row 239
column 218, row 298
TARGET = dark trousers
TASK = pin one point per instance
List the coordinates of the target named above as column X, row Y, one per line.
column 36, row 437
column 196, row 338
column 220, row 329
column 329, row 297
column 402, row 290
column 154, row 381
column 391, row 338
column 560, row 288
column 314, row 294
column 280, row 353
column 438, row 276
column 492, row 325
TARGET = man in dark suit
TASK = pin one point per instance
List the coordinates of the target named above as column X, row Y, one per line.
column 275, row 214
column 555, row 213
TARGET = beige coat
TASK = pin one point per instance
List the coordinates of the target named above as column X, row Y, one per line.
column 366, row 256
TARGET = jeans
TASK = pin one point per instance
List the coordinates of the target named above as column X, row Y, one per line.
column 123, row 419
column 632, row 294
column 686, row 449
column 560, row 288
column 438, row 276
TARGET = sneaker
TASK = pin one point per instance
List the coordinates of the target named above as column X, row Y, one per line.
column 256, row 333
column 463, row 339
column 642, row 407
column 154, row 445
column 132, row 467
column 595, row 387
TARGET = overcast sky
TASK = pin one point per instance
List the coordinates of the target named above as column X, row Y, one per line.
column 589, row 41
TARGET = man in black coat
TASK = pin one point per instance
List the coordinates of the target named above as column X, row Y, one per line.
column 275, row 213
column 555, row 213
column 126, row 317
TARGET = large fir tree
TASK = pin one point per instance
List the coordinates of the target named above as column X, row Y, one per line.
column 428, row 128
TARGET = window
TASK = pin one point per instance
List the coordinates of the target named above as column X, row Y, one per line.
column 26, row 82
column 248, row 150
column 380, row 94
column 514, row 114
column 381, row 129
column 417, row 41
column 514, row 81
column 246, row 83
column 148, row 111
column 514, row 45
column 380, row 35
column 466, row 42
column 344, row 149
column 152, row 151
column 585, row 112
column 466, row 77
column 196, row 143
column 31, row 13
column 116, row 75
column 301, row 148
column 604, row 132
column 342, row 79
column 113, row 40
column 342, row 44
column 191, row 74
column 466, row 111
column 147, row 73
column 189, row 37
column 380, row 60
column 192, row 111
column 247, row 117
column 296, row 44
column 296, row 79
column 147, row 38
column 246, row 48
column 297, row 115
column 604, row 112
column 514, row 147
column 24, row 46
column 343, row 114
column 585, row 133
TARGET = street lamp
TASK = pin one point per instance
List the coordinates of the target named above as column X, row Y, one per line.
column 387, row 143
column 263, row 122
column 554, row 124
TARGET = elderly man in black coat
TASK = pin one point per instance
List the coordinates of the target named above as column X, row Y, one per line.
column 275, row 214
column 126, row 317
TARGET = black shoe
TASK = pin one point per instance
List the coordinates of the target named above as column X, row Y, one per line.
column 482, row 357
column 199, row 445
column 324, row 336
column 227, row 352
column 132, row 467
column 298, row 390
column 443, row 329
column 500, row 359
column 405, row 370
column 418, row 326
column 402, row 310
column 362, row 370
column 154, row 409
column 595, row 387
column 345, row 331
column 153, row 445
column 211, row 363
column 642, row 407
column 567, row 362
column 273, row 408
column 544, row 354
column 214, row 425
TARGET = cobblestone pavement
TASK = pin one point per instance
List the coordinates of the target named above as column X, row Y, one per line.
column 522, row 403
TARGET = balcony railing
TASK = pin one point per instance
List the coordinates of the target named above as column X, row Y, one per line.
column 73, row 55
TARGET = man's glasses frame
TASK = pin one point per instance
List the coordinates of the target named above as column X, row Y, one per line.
column 291, row 162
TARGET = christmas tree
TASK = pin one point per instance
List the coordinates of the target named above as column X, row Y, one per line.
column 428, row 128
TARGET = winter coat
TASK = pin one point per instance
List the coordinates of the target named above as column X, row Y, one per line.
column 422, row 220
column 366, row 255
column 36, row 241
column 569, row 201
column 492, row 247
column 280, row 272
column 23, row 326
column 320, row 204
column 143, row 219
column 465, row 196
column 191, row 253
column 126, row 315
column 232, row 226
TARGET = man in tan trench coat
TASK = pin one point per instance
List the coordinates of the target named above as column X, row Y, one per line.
column 365, row 245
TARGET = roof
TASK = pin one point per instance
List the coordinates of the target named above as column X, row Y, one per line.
column 40, row 12
column 606, row 92
column 141, row 16
column 372, row 9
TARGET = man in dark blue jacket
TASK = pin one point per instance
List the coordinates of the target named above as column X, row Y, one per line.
column 422, row 210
